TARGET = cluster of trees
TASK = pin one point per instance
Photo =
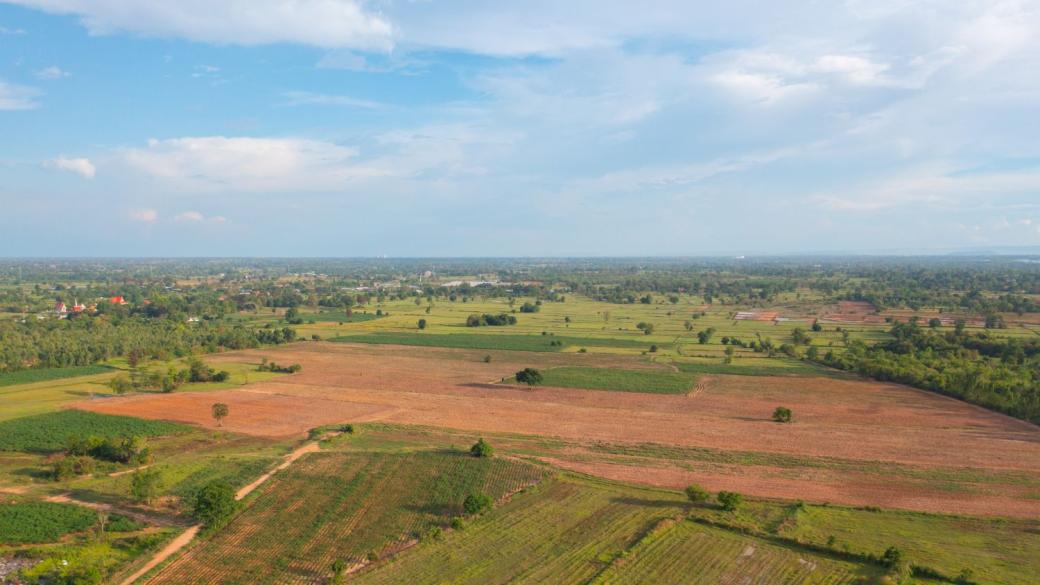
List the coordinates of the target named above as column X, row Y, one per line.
column 531, row 307
column 999, row 373
column 728, row 501
column 88, row 340
column 82, row 454
column 266, row 366
column 481, row 320
column 144, row 379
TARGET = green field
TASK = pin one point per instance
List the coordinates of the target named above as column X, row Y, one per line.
column 46, row 433
column 579, row 530
column 996, row 550
column 339, row 317
column 35, row 522
column 760, row 367
column 618, row 380
column 503, row 341
column 332, row 506
column 34, row 375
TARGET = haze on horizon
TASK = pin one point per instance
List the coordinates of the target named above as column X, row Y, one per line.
column 348, row 128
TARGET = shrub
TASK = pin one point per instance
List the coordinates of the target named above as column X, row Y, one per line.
column 696, row 494
column 481, row 449
column 729, row 501
column 422, row 323
column 457, row 523
column 529, row 376
column 782, row 414
column 476, row 503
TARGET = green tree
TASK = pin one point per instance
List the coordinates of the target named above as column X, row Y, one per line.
column 145, row 485
column 696, row 493
column 339, row 568
column 215, row 503
column 529, row 376
column 481, row 449
column 782, row 414
column 422, row 323
column 476, row 503
column 220, row 411
column 729, row 501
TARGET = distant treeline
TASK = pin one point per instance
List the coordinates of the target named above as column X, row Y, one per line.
column 54, row 343
column 1002, row 374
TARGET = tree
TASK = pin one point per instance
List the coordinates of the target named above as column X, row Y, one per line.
column 220, row 410
column 696, row 493
column 529, row 376
column 215, row 503
column 422, row 323
column 782, row 414
column 729, row 501
column 476, row 503
column 339, row 567
column 481, row 449
column 145, row 485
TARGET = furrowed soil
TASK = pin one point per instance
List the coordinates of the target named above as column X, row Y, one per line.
column 852, row 441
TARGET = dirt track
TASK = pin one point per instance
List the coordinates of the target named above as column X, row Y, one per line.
column 853, row 420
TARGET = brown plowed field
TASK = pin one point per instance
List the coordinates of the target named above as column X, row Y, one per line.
column 951, row 456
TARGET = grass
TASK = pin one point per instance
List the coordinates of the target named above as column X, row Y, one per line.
column 503, row 341
column 760, row 367
column 331, row 506
column 46, row 433
column 618, row 380
column 35, row 375
column 580, row 530
column 38, row 522
column 339, row 316
column 996, row 550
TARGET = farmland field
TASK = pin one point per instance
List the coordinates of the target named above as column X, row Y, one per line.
column 46, row 374
column 618, row 380
column 49, row 432
column 504, row 341
column 852, row 441
column 33, row 522
column 343, row 506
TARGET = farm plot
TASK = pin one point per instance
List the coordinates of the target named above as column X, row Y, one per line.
column 618, row 380
column 505, row 341
column 576, row 530
column 46, row 374
column 679, row 550
column 46, row 433
column 332, row 506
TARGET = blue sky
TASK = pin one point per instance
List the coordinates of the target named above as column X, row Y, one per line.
column 419, row 128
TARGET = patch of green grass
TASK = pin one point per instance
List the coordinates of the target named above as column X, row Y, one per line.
column 490, row 341
column 996, row 550
column 339, row 317
column 37, row 522
column 760, row 367
column 46, row 433
column 618, row 380
column 34, row 375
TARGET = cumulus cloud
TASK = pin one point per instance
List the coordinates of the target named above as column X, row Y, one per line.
column 249, row 164
column 51, row 73
column 322, row 23
column 17, row 97
column 80, row 166
column 144, row 215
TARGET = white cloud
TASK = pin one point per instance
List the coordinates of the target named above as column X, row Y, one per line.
column 304, row 98
column 11, row 31
column 144, row 215
column 198, row 217
column 249, row 164
column 80, row 166
column 17, row 97
column 323, row 23
column 52, row 72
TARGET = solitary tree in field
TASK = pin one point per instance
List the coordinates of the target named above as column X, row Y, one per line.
column 529, row 376
column 696, row 493
column 220, row 410
column 782, row 414
column 215, row 503
column 339, row 567
column 729, row 501
column 481, row 449
column 422, row 323
column 476, row 503
column 145, row 485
